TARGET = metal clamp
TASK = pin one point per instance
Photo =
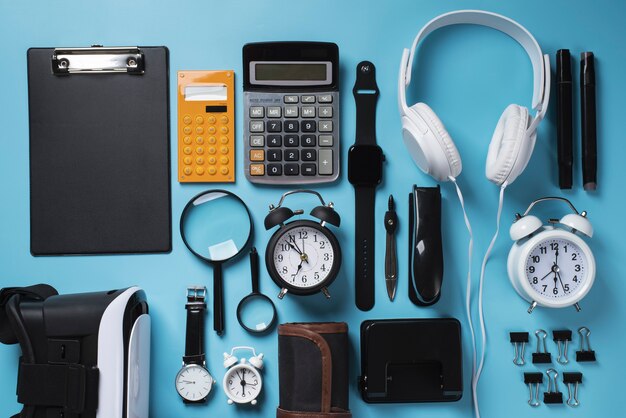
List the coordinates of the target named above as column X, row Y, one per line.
column 541, row 356
column 585, row 354
column 519, row 340
column 97, row 60
column 562, row 338
column 552, row 394
column 572, row 380
column 533, row 380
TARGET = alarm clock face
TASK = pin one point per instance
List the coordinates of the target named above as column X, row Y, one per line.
column 556, row 268
column 303, row 256
column 193, row 382
column 242, row 383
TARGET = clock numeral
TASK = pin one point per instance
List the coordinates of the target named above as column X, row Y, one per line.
column 293, row 277
column 531, row 269
column 322, row 245
column 284, row 247
column 304, row 279
column 323, row 268
column 577, row 267
column 303, row 235
column 554, row 246
column 545, row 286
column 574, row 257
column 565, row 248
column 230, row 382
column 575, row 279
column 566, row 288
column 555, row 291
column 284, row 269
column 543, row 250
column 326, row 257
column 316, row 275
column 314, row 237
column 535, row 280
column 280, row 258
column 536, row 259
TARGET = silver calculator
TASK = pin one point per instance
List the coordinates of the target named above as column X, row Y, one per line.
column 291, row 112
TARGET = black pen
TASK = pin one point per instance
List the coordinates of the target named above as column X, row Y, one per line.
column 588, row 120
column 564, row 117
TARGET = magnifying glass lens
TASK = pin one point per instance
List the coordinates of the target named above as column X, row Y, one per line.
column 256, row 313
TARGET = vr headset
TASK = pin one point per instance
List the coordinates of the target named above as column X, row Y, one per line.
column 83, row 355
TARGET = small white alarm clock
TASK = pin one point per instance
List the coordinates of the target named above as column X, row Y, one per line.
column 551, row 265
column 242, row 382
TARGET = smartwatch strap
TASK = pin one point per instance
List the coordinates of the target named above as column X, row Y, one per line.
column 364, row 251
column 366, row 94
column 194, row 340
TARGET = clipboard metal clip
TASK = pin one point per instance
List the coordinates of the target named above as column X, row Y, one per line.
column 97, row 60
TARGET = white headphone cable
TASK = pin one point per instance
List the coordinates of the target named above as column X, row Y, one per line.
column 468, row 291
column 483, row 329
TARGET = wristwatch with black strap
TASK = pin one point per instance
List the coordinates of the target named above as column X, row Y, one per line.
column 365, row 172
column 193, row 381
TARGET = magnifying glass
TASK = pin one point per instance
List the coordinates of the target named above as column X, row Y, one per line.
column 216, row 227
column 256, row 312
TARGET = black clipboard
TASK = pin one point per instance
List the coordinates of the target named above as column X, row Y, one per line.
column 99, row 150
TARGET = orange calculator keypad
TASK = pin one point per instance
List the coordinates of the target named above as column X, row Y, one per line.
column 206, row 128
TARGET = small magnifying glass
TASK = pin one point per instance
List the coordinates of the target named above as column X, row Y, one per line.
column 216, row 227
column 256, row 312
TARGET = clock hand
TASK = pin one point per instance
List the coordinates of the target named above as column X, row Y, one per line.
column 559, row 276
column 549, row 273
column 306, row 257
column 555, row 281
column 556, row 258
column 293, row 238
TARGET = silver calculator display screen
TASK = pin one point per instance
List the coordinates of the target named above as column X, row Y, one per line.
column 291, row 73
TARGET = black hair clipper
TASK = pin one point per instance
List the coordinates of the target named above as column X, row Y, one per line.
column 425, row 246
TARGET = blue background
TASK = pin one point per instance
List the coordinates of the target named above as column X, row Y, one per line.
column 467, row 74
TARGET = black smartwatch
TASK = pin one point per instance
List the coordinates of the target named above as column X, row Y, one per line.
column 193, row 381
column 365, row 172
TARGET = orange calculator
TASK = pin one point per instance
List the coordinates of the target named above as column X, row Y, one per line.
column 206, row 126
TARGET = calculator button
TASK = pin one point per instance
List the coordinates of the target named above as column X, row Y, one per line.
column 187, row 130
column 224, row 119
column 291, row 126
column 211, row 129
column 224, row 150
column 257, row 112
column 199, row 120
column 224, row 140
column 187, row 140
column 325, row 98
column 188, row 171
column 212, row 140
column 257, row 140
column 291, row 111
column 308, row 99
column 308, row 126
column 326, row 112
column 274, row 140
column 326, row 140
column 274, row 169
column 200, row 160
column 257, row 169
column 308, row 140
column 308, row 155
column 212, row 150
column 224, row 130
column 291, row 99
column 199, row 140
column 199, row 150
column 187, row 160
column 211, row 119
column 224, row 170
column 200, row 170
column 273, row 112
column 274, row 155
column 212, row 160
column 308, row 169
column 292, row 169
column 224, row 160
column 187, row 150
column 326, row 126
column 291, row 154
column 256, row 126
column 308, row 112
column 274, row 126
column 199, row 130
column 291, row 140
column 325, row 162
column 257, row 155
column 212, row 170
column 187, row 119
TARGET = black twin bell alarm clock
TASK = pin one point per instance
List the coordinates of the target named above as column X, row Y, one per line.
column 303, row 256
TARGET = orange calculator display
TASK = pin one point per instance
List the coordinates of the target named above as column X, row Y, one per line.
column 206, row 126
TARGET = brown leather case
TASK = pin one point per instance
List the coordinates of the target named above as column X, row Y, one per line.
column 313, row 370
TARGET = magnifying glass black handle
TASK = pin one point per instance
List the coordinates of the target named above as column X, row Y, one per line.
column 254, row 269
column 218, row 300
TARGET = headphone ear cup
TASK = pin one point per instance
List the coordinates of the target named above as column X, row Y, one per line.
column 511, row 147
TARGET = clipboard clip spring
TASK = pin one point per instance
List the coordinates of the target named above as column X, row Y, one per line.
column 97, row 60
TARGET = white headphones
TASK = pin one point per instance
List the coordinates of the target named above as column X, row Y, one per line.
column 511, row 147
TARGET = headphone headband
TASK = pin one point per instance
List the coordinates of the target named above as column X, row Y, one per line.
column 540, row 62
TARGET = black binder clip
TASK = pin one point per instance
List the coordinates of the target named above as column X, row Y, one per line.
column 572, row 379
column 519, row 340
column 533, row 380
column 552, row 396
column 541, row 357
column 562, row 338
column 585, row 354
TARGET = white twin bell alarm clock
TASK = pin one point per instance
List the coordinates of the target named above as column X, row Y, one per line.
column 242, row 382
column 551, row 265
